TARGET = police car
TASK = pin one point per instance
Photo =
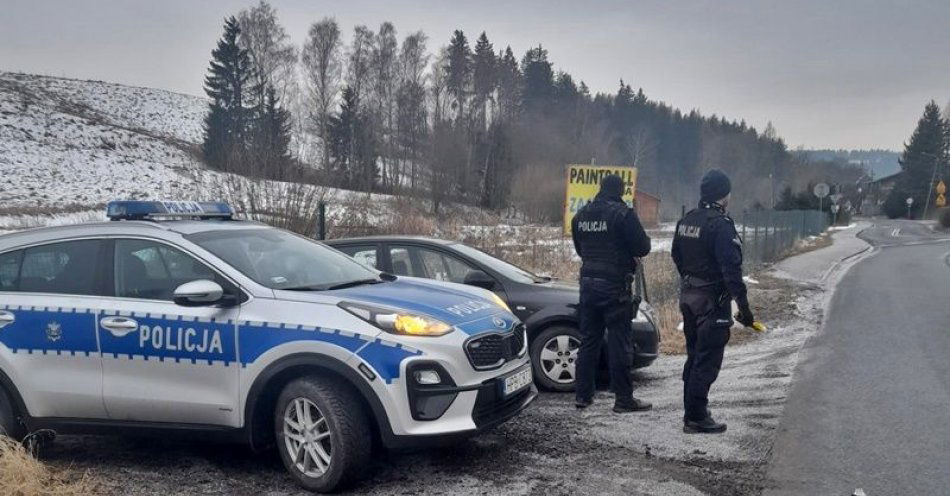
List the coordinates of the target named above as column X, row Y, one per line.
column 178, row 317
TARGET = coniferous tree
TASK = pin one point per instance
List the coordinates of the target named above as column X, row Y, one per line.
column 226, row 125
column 538, row 89
column 509, row 85
column 924, row 157
column 353, row 147
column 459, row 74
column 483, row 79
column 271, row 143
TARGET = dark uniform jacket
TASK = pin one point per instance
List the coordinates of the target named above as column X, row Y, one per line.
column 608, row 237
column 707, row 248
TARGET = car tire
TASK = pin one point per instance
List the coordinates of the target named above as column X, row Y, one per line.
column 554, row 357
column 323, row 433
column 10, row 425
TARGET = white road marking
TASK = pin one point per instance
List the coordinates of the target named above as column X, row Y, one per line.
column 896, row 232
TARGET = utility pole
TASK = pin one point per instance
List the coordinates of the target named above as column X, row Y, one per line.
column 930, row 191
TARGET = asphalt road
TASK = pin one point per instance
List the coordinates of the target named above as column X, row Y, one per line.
column 870, row 405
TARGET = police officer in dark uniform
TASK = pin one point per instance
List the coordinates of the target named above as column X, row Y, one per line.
column 707, row 252
column 608, row 237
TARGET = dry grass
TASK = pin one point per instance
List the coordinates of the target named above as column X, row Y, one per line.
column 805, row 246
column 672, row 340
column 23, row 475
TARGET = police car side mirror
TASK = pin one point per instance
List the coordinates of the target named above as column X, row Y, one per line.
column 479, row 279
column 198, row 293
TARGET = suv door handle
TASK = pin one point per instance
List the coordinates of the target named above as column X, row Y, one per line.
column 119, row 326
column 6, row 318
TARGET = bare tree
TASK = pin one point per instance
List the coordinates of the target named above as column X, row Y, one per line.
column 358, row 67
column 322, row 64
column 413, row 59
column 438, row 87
column 411, row 124
column 383, row 69
column 272, row 55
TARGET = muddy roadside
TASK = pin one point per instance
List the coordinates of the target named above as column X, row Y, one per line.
column 551, row 449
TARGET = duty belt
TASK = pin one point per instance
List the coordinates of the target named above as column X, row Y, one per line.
column 697, row 283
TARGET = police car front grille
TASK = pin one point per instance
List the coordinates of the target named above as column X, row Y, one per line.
column 493, row 350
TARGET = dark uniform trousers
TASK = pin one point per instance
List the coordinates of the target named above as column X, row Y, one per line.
column 706, row 323
column 605, row 304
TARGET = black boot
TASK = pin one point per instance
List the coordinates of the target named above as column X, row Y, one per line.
column 633, row 405
column 704, row 426
column 583, row 403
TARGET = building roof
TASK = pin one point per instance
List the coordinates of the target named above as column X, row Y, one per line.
column 887, row 179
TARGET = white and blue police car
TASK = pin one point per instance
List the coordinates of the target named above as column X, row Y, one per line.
column 177, row 317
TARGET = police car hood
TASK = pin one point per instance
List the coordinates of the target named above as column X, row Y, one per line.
column 469, row 308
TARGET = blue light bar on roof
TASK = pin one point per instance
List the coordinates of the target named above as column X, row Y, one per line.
column 138, row 210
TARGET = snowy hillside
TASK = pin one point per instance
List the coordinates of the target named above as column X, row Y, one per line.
column 81, row 143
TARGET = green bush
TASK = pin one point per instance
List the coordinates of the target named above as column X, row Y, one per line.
column 943, row 215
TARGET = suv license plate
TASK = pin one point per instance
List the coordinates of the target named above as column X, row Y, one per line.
column 517, row 381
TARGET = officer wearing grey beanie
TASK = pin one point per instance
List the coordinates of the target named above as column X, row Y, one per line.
column 707, row 252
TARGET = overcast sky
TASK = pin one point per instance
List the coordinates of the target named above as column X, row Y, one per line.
column 827, row 73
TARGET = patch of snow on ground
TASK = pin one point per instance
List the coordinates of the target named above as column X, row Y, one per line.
column 842, row 228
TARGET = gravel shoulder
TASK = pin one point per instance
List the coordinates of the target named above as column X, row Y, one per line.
column 551, row 449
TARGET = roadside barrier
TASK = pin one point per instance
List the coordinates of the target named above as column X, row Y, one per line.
column 768, row 235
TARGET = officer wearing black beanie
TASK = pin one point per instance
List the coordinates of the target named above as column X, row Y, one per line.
column 707, row 252
column 608, row 237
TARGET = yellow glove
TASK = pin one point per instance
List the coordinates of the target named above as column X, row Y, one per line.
column 759, row 327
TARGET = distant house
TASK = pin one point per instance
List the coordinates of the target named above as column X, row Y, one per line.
column 878, row 191
column 648, row 208
column 883, row 186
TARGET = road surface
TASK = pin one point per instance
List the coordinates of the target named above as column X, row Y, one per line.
column 870, row 405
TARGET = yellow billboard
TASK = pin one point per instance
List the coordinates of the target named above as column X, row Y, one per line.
column 583, row 183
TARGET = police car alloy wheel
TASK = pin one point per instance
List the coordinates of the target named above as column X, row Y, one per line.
column 307, row 437
column 554, row 357
column 323, row 434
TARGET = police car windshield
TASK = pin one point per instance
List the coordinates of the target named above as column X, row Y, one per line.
column 506, row 269
column 282, row 260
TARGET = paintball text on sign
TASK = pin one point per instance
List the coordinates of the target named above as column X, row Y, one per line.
column 583, row 183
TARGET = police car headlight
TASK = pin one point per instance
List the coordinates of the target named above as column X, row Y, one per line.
column 500, row 302
column 397, row 321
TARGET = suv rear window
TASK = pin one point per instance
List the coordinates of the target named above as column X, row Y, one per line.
column 10, row 270
column 62, row 268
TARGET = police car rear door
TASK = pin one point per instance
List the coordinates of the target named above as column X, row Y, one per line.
column 49, row 298
column 163, row 362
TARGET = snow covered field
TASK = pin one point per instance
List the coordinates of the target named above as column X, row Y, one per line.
column 70, row 142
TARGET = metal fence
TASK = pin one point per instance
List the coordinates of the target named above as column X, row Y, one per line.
column 767, row 235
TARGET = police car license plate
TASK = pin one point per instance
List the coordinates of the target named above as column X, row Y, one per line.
column 517, row 381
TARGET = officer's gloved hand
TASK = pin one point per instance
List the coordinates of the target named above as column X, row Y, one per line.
column 745, row 316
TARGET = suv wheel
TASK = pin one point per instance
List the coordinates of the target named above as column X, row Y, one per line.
column 10, row 425
column 322, row 433
column 554, row 357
